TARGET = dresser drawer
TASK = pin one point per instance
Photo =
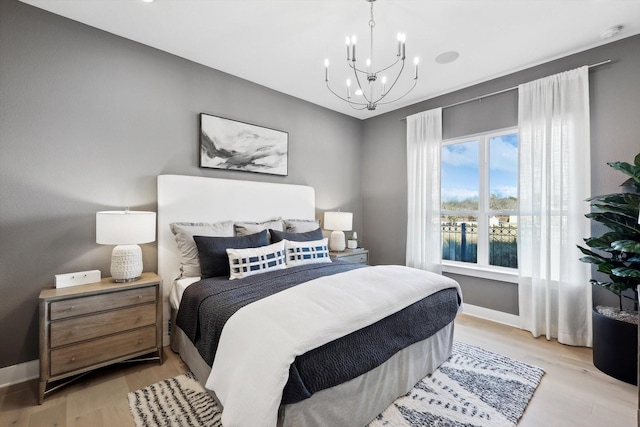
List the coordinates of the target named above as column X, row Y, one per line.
column 77, row 329
column 355, row 258
column 101, row 350
column 103, row 302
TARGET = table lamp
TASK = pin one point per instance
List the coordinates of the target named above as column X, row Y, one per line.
column 126, row 229
column 338, row 222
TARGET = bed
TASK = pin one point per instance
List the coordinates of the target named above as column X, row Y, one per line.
column 354, row 402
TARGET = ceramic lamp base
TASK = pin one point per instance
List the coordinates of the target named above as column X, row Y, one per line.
column 126, row 263
column 337, row 241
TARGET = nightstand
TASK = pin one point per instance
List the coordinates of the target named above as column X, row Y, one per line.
column 358, row 256
column 94, row 325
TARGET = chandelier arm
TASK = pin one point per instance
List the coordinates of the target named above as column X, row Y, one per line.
column 355, row 108
column 386, row 68
column 415, row 82
column 354, row 68
column 343, row 98
column 393, row 84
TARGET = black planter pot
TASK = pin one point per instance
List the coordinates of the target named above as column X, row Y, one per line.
column 615, row 348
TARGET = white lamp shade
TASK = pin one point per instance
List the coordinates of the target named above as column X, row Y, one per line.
column 338, row 221
column 125, row 227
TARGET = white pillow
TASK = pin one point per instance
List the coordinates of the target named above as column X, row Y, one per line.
column 312, row 252
column 247, row 262
column 184, row 232
column 300, row 225
column 245, row 228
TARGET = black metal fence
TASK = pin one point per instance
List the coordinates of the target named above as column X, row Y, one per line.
column 460, row 243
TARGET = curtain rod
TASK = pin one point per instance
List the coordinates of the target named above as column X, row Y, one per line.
column 479, row 98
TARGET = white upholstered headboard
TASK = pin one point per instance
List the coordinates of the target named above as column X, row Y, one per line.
column 199, row 199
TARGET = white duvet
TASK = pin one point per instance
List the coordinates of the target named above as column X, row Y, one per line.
column 261, row 340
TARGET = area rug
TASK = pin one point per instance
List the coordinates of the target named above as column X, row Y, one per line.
column 474, row 387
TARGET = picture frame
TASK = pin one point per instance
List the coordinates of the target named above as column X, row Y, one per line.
column 239, row 146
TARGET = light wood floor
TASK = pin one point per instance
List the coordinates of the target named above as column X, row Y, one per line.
column 572, row 392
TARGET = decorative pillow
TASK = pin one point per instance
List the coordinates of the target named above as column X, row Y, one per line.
column 184, row 232
column 313, row 252
column 212, row 251
column 277, row 236
column 246, row 228
column 300, row 225
column 247, row 262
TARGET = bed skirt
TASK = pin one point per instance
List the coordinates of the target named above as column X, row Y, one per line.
column 356, row 402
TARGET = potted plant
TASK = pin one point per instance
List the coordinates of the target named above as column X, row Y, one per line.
column 617, row 255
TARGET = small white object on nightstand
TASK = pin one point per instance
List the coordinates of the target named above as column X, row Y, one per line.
column 78, row 278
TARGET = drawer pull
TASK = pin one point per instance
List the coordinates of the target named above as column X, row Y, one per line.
column 139, row 296
column 73, row 359
column 140, row 341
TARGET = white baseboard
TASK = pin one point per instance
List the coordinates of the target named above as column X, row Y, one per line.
column 19, row 373
column 493, row 315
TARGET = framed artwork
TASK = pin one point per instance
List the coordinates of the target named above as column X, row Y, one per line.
column 233, row 145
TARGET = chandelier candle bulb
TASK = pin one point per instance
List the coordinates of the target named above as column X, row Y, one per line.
column 415, row 74
column 353, row 47
column 348, row 40
column 326, row 70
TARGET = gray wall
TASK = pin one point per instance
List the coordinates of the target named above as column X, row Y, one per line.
column 615, row 135
column 87, row 122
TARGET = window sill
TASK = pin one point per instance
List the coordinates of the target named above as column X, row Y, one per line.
column 509, row 275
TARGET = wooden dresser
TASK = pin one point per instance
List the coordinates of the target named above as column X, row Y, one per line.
column 94, row 325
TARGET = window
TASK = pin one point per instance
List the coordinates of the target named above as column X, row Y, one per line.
column 479, row 193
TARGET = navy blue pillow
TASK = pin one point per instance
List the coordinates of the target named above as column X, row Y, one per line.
column 212, row 251
column 307, row 236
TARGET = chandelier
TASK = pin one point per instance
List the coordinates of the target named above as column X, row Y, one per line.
column 372, row 95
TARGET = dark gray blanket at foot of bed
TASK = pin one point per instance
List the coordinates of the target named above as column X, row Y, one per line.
column 208, row 304
column 352, row 355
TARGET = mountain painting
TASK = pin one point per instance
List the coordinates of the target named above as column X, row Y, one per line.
column 233, row 145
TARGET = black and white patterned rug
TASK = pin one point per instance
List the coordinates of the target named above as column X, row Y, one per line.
column 474, row 387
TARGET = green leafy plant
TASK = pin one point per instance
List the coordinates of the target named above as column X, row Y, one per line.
column 617, row 252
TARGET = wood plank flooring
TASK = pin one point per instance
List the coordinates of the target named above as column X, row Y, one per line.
column 572, row 392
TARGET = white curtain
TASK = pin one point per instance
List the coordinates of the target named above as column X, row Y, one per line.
column 424, row 138
column 554, row 169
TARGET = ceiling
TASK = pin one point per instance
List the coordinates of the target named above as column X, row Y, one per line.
column 282, row 44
